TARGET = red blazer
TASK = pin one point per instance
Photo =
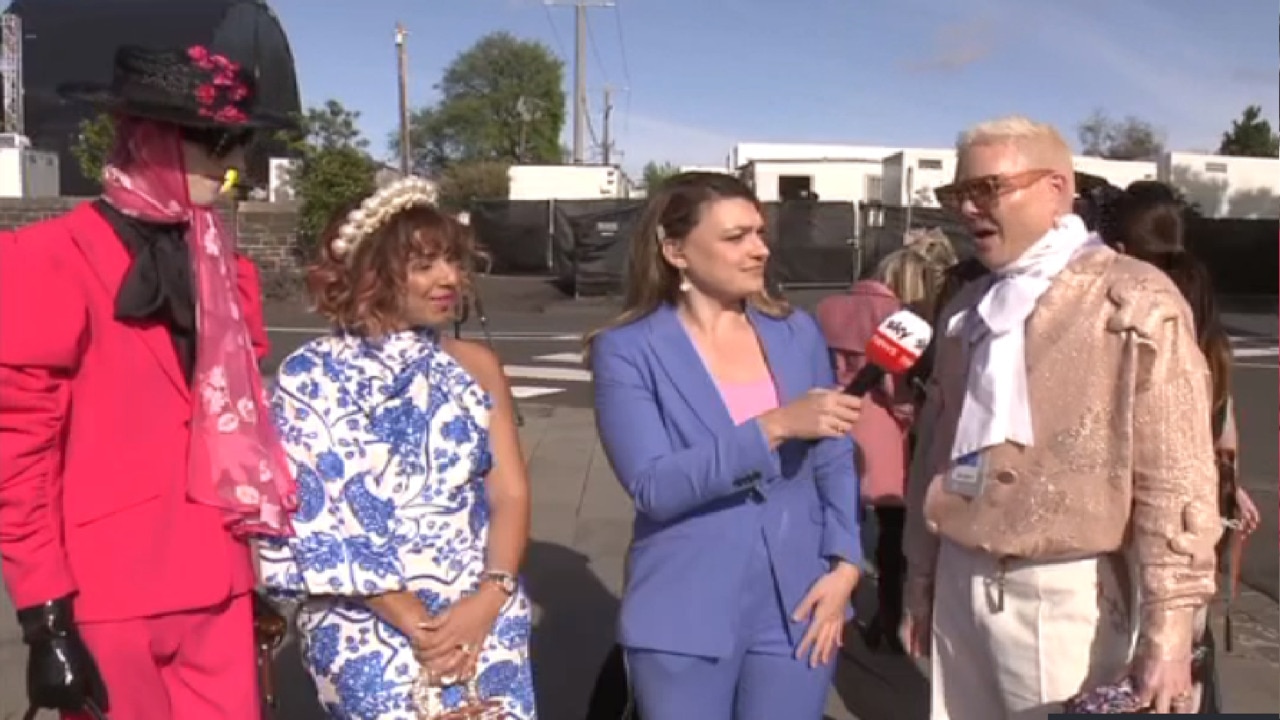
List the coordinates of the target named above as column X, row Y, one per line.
column 94, row 419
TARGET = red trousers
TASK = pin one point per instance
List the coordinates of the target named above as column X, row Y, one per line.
column 197, row 665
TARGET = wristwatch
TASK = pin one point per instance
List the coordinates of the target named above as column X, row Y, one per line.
column 505, row 581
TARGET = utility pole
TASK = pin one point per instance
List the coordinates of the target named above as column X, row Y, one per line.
column 580, row 72
column 402, row 59
column 607, row 142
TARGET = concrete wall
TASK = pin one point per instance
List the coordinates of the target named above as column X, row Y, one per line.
column 267, row 231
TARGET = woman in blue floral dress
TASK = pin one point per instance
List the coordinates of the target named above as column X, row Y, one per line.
column 413, row 499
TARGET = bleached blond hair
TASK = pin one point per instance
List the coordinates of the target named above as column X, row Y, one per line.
column 1040, row 143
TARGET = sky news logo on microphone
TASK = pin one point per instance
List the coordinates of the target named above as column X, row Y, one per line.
column 899, row 341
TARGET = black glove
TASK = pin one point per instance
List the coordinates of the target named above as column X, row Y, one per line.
column 61, row 674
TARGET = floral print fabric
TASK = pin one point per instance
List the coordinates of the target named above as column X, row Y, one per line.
column 235, row 459
column 389, row 443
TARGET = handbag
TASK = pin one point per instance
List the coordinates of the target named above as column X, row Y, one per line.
column 1121, row 698
column 269, row 629
column 611, row 698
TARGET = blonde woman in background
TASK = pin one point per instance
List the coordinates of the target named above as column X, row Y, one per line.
column 908, row 277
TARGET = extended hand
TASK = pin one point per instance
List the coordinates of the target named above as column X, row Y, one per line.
column 824, row 607
column 451, row 641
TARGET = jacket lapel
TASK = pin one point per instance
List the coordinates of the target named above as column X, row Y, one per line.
column 109, row 260
column 683, row 366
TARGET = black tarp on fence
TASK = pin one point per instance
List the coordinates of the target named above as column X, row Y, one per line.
column 584, row 243
column 884, row 226
column 592, row 240
column 1242, row 254
column 517, row 235
column 812, row 243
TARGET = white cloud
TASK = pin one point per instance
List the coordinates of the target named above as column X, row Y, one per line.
column 644, row 138
column 955, row 46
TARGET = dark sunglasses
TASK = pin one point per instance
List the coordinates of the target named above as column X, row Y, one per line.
column 984, row 192
column 219, row 142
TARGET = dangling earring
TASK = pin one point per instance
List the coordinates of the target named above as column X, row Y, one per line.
column 685, row 285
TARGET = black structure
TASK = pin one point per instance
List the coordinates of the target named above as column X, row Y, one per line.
column 583, row 244
column 1241, row 254
column 75, row 41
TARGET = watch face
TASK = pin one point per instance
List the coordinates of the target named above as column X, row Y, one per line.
column 506, row 582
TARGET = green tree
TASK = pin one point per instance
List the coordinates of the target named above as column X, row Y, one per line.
column 94, row 139
column 501, row 100
column 1130, row 138
column 1250, row 136
column 333, row 166
column 463, row 183
column 654, row 174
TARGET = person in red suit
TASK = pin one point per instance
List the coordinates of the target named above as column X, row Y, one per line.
column 137, row 458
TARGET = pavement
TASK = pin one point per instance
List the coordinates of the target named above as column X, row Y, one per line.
column 582, row 524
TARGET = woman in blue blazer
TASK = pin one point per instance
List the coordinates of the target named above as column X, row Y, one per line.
column 717, row 407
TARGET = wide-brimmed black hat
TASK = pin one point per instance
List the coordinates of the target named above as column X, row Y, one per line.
column 191, row 88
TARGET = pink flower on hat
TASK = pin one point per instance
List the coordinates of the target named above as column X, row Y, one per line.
column 200, row 56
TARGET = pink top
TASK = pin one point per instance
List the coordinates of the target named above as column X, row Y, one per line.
column 746, row 400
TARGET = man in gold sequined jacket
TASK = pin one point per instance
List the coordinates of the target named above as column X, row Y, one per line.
column 1062, row 495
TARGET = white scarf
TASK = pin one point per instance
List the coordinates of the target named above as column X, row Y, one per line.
column 996, row 403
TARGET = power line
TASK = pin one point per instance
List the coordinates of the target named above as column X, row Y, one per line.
column 580, row 108
column 626, row 68
column 595, row 50
column 555, row 31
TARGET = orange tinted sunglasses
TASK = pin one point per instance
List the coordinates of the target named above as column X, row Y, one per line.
column 985, row 191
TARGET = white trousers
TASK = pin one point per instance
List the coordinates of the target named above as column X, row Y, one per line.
column 1014, row 640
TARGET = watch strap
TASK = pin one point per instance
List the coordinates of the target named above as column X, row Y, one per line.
column 506, row 581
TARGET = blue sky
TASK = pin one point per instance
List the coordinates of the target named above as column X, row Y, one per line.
column 696, row 76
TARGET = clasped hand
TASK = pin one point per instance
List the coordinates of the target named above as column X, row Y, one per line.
column 448, row 644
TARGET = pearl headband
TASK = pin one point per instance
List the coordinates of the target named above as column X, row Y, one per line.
column 378, row 209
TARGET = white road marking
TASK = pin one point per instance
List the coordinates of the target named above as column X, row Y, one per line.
column 570, row 358
column 533, row 372
column 524, row 392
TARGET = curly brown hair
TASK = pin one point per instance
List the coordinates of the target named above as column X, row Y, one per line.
column 362, row 293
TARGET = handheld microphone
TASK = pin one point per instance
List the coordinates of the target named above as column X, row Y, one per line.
column 897, row 344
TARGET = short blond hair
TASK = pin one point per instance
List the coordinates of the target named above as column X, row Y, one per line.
column 1040, row 143
column 1014, row 129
